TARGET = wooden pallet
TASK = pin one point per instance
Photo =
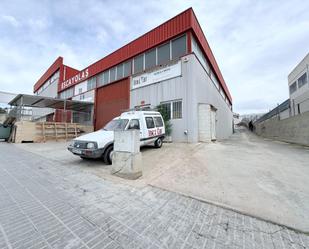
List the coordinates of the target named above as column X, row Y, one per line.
column 48, row 131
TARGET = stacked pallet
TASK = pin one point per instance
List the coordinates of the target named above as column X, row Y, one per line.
column 38, row 132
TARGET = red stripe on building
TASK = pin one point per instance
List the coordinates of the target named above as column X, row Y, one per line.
column 49, row 72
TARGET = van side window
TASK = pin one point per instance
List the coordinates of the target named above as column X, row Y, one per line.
column 158, row 121
column 149, row 123
column 134, row 124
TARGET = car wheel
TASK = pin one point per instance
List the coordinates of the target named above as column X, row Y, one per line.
column 158, row 143
column 108, row 155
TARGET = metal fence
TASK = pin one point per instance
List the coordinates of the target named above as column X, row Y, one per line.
column 276, row 111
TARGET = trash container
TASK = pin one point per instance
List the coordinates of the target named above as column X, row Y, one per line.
column 5, row 131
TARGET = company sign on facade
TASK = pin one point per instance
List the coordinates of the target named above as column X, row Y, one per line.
column 75, row 79
column 165, row 73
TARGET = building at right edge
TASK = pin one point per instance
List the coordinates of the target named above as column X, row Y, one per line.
column 171, row 65
column 299, row 87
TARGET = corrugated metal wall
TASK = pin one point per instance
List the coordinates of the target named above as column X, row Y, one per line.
column 111, row 101
column 198, row 32
column 171, row 28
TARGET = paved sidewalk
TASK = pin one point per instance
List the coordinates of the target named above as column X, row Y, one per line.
column 44, row 204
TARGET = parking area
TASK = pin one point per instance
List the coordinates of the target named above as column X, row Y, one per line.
column 255, row 176
column 45, row 203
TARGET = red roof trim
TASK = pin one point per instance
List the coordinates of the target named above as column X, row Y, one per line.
column 177, row 25
column 209, row 54
column 49, row 72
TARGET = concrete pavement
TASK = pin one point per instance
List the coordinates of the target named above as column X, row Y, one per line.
column 256, row 176
column 45, row 204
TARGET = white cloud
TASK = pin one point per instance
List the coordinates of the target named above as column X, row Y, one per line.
column 10, row 20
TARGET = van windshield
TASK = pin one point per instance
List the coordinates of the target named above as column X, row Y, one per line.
column 116, row 124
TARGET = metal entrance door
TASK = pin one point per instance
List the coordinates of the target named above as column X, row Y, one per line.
column 206, row 123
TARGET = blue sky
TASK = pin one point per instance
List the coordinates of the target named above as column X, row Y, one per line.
column 256, row 43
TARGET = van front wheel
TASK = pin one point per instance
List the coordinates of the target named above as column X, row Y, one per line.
column 108, row 155
column 158, row 143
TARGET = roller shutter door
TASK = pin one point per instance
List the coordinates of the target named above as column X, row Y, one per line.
column 111, row 101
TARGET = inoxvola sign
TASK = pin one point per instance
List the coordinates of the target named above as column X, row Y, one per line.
column 77, row 78
column 164, row 73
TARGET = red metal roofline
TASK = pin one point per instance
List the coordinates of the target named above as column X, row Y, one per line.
column 65, row 72
column 198, row 32
column 173, row 27
column 49, row 72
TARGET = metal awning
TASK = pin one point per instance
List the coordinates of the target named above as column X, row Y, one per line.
column 48, row 102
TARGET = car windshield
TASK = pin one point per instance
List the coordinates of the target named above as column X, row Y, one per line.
column 116, row 124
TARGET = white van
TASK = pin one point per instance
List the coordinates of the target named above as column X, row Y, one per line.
column 100, row 143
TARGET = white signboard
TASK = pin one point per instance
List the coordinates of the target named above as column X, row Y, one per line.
column 165, row 73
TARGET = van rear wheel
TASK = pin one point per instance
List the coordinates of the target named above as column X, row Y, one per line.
column 158, row 143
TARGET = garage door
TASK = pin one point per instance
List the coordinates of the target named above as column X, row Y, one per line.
column 206, row 123
column 111, row 101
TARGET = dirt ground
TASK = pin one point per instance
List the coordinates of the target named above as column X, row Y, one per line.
column 256, row 176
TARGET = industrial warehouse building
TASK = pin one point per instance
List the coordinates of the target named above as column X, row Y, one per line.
column 171, row 65
column 298, row 81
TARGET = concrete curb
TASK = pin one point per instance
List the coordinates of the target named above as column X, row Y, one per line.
column 221, row 205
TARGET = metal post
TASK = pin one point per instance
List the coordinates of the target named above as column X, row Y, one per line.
column 64, row 111
column 20, row 108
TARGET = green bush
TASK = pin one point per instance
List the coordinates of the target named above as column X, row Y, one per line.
column 166, row 119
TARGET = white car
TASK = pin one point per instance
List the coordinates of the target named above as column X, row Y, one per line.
column 100, row 143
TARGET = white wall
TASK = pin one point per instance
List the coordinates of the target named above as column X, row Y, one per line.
column 294, row 129
column 301, row 95
column 193, row 87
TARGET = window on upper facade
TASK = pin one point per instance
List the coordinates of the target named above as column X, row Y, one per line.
column 139, row 63
column 179, row 47
column 120, row 71
column 163, row 53
column 127, row 68
column 91, row 83
column 302, row 80
column 112, row 74
column 199, row 54
column 150, row 59
column 293, row 88
column 106, row 77
column 100, row 79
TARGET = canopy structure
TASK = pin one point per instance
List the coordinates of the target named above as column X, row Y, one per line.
column 27, row 100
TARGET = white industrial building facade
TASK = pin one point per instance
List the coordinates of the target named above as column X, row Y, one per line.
column 171, row 65
column 299, row 87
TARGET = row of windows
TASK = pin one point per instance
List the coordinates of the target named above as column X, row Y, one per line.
column 160, row 55
column 302, row 80
column 69, row 93
column 115, row 73
column 199, row 54
column 48, row 82
column 156, row 56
